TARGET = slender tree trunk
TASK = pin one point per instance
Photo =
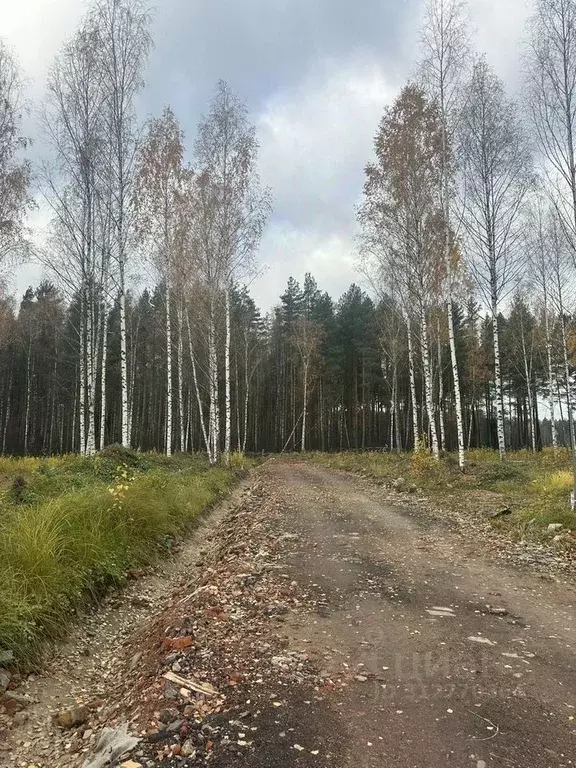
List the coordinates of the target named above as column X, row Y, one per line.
column 551, row 377
column 567, row 382
column 74, row 412
column 168, row 373
column 214, row 418
column 304, row 409
column 103, row 378
column 124, row 420
column 228, row 406
column 28, row 397
column 450, row 303
column 90, row 376
column 441, row 393
column 246, row 393
column 205, row 433
column 8, row 407
column 179, row 363
column 412, row 372
column 498, row 384
column 395, row 406
column 82, row 376
column 425, row 346
column 528, row 375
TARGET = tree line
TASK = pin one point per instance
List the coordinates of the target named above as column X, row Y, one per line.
column 467, row 232
column 314, row 374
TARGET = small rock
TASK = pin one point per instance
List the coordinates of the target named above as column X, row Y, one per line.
column 168, row 715
column 188, row 749
column 179, row 643
column 496, row 611
column 13, row 702
column 130, row 764
column 170, row 692
column 175, row 726
column 20, row 718
column 553, row 527
column 4, row 681
column 68, row 718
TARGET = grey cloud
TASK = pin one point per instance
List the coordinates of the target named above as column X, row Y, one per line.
column 261, row 46
column 316, row 75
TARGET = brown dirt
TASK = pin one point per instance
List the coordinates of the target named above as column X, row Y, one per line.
column 343, row 628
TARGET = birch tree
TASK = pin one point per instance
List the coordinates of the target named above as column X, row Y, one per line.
column 402, row 219
column 496, row 176
column 446, row 54
column 76, row 255
column 234, row 213
column 124, row 45
column 160, row 201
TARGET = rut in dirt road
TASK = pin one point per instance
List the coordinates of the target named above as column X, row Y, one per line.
column 454, row 661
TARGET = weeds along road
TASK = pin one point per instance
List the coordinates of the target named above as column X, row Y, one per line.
column 424, row 654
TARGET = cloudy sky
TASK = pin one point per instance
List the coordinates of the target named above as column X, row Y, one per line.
column 316, row 75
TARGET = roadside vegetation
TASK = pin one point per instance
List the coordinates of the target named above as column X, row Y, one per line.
column 72, row 527
column 534, row 487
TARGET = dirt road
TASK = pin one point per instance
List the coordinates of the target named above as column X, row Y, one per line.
column 425, row 653
column 449, row 680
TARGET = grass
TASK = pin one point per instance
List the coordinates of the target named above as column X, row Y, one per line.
column 536, row 487
column 71, row 527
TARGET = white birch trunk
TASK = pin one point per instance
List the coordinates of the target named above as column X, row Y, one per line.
column 498, row 385
column 179, row 363
column 412, row 383
column 228, row 406
column 425, row 346
column 214, row 431
column 397, row 433
column 456, row 379
column 90, row 378
column 124, row 419
column 305, row 409
column 168, row 374
column 197, row 388
column 551, row 401
column 441, row 394
column 103, row 377
column 82, row 377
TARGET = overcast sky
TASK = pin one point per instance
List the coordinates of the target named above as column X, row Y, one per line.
column 316, row 75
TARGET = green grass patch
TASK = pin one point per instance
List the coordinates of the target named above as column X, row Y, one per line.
column 77, row 525
column 535, row 486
